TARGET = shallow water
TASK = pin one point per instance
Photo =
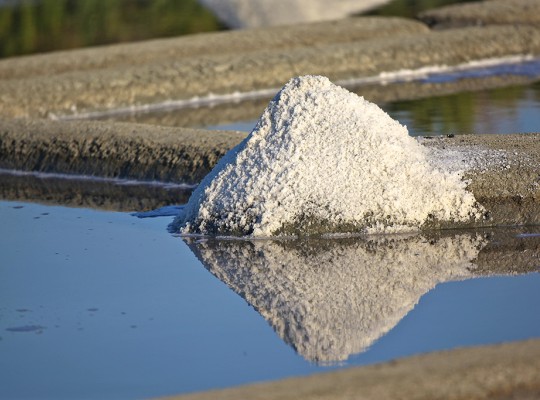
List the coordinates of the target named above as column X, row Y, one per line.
column 100, row 304
column 506, row 110
column 513, row 109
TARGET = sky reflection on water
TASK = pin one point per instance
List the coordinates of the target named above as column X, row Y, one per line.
column 126, row 310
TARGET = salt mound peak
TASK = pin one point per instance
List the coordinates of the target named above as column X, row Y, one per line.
column 322, row 160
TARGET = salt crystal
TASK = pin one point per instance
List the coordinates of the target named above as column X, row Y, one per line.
column 322, row 160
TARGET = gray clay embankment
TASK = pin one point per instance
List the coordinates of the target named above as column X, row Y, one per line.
column 508, row 371
column 87, row 193
column 181, row 68
column 216, row 44
column 142, row 152
column 250, row 109
column 107, row 88
column 106, row 150
column 481, row 13
column 509, row 251
column 503, row 176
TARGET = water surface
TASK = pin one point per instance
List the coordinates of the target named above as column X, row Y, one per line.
column 98, row 304
column 513, row 109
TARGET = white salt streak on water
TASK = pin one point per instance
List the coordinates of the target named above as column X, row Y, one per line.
column 93, row 178
column 323, row 160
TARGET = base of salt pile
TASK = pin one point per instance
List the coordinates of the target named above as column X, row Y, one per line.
column 322, row 160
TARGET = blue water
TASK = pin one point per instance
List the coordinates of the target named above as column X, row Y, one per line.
column 106, row 305
column 514, row 109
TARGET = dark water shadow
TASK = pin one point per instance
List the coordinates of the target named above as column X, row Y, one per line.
column 331, row 298
column 96, row 193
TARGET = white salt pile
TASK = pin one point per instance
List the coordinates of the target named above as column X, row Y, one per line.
column 322, row 160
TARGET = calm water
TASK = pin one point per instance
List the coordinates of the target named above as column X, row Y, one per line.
column 106, row 305
column 514, row 109
column 506, row 110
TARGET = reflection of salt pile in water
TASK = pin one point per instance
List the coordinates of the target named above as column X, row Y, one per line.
column 324, row 160
column 332, row 298
column 256, row 13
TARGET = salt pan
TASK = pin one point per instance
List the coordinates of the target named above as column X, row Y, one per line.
column 322, row 160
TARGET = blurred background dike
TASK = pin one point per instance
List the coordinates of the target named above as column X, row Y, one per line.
column 32, row 26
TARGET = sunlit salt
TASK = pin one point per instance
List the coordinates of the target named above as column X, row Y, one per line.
column 322, row 160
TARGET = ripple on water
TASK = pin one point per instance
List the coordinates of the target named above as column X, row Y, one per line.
column 27, row 328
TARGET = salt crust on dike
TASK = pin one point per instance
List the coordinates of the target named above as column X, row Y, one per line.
column 322, row 160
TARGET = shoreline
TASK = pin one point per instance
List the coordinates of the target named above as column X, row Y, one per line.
column 496, row 372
